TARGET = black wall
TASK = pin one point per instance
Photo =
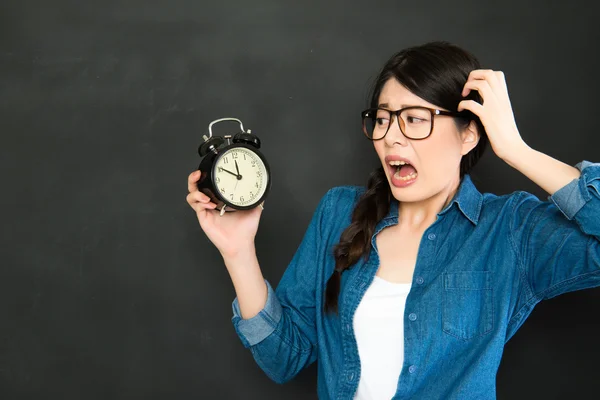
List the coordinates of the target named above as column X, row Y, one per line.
column 108, row 287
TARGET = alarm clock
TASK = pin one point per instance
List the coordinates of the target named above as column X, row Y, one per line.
column 234, row 173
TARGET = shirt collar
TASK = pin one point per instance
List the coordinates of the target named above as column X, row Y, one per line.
column 467, row 198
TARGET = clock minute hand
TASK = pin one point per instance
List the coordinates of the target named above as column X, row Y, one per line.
column 229, row 172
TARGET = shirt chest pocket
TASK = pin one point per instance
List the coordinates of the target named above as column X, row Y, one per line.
column 467, row 305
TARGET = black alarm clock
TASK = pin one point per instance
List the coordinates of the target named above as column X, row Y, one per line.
column 234, row 173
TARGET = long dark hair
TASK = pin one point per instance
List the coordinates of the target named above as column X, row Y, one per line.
column 436, row 72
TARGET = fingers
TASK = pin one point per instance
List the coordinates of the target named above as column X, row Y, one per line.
column 483, row 87
column 193, row 179
column 199, row 201
column 483, row 74
column 472, row 106
column 495, row 79
column 501, row 78
column 198, row 197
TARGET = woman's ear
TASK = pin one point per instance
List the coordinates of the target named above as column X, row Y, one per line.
column 470, row 138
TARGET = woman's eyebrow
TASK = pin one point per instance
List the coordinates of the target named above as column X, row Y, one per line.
column 387, row 105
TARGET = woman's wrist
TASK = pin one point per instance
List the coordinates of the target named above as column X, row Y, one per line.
column 240, row 257
column 248, row 281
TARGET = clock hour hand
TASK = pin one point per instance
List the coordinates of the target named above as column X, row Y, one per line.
column 229, row 172
column 238, row 170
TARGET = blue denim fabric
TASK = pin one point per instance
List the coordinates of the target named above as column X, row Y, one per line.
column 481, row 268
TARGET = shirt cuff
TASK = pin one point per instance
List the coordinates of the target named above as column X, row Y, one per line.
column 572, row 197
column 254, row 330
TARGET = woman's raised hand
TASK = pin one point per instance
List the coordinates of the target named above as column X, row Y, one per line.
column 495, row 113
column 234, row 232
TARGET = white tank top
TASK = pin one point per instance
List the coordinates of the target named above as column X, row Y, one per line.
column 379, row 330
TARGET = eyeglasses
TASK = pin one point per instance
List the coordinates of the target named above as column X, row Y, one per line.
column 415, row 122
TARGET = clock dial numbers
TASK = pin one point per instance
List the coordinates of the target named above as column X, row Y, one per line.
column 241, row 176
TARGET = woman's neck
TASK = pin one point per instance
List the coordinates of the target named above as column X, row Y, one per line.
column 418, row 216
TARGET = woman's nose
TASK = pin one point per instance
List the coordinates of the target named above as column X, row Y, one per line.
column 394, row 134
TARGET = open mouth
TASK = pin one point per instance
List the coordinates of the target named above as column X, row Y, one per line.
column 402, row 170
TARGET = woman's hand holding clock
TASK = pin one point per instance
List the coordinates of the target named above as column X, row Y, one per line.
column 233, row 233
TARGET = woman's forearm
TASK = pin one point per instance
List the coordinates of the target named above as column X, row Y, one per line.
column 548, row 173
column 248, row 282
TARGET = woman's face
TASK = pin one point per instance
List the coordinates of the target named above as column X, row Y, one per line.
column 435, row 161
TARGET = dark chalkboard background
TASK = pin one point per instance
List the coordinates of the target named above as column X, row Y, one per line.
column 108, row 287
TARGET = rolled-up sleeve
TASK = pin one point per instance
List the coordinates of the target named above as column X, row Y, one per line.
column 558, row 241
column 579, row 200
column 254, row 330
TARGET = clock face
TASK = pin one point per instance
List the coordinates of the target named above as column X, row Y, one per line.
column 240, row 176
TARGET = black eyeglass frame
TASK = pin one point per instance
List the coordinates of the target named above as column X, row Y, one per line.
column 432, row 111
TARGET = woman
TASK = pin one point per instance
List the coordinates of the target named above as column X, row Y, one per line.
column 410, row 288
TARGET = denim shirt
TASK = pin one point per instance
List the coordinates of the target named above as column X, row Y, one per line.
column 482, row 266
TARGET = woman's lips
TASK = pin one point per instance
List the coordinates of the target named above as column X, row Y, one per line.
column 402, row 172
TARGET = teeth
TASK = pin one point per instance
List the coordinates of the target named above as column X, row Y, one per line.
column 412, row 175
column 397, row 163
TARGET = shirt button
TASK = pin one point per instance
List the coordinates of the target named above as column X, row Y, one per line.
column 431, row 236
column 420, row 280
column 412, row 317
column 347, row 327
column 351, row 376
column 412, row 369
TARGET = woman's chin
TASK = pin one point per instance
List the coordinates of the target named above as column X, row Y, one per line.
column 409, row 191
